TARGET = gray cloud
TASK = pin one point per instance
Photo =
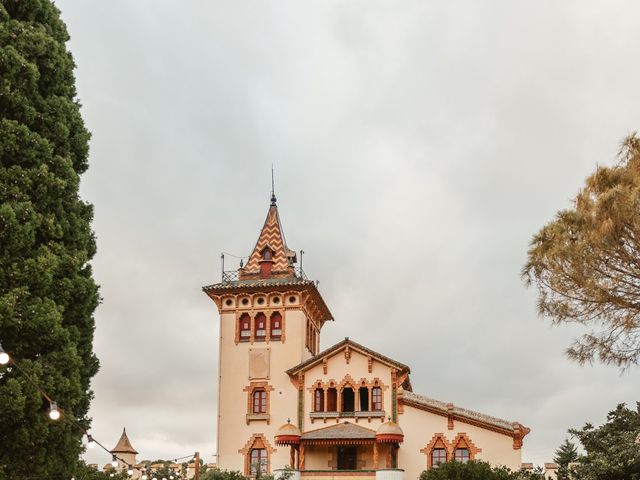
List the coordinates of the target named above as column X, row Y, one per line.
column 417, row 148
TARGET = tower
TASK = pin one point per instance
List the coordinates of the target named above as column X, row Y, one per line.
column 124, row 451
column 271, row 316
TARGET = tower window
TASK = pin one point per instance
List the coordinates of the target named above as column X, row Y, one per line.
column 376, row 399
column 259, row 401
column 261, row 327
column 245, row 327
column 266, row 254
column 318, row 400
column 276, row 326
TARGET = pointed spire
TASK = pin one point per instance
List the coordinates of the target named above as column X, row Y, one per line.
column 273, row 189
column 124, row 445
column 271, row 248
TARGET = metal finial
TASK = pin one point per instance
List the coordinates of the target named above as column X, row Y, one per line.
column 288, row 420
column 241, row 263
column 273, row 189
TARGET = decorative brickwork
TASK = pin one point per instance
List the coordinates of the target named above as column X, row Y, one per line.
column 257, row 440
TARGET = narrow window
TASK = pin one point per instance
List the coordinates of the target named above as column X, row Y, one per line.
column 364, row 399
column 258, row 460
column 266, row 255
column 245, row 327
column 438, row 456
column 462, row 455
column 261, row 327
column 332, row 400
column 259, row 401
column 348, row 398
column 376, row 399
column 276, row 326
column 318, row 400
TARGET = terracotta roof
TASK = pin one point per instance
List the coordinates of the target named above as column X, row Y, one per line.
column 343, row 344
column 341, row 431
column 124, row 445
column 462, row 413
column 271, row 236
column 257, row 283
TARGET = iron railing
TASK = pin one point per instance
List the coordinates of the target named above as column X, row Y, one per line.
column 234, row 275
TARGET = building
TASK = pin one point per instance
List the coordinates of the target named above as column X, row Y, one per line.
column 344, row 411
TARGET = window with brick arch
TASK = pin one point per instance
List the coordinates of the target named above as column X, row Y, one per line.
column 376, row 399
column 258, row 462
column 261, row 327
column 438, row 456
column 318, row 400
column 245, row 327
column 276, row 326
column 260, row 401
column 332, row 400
column 462, row 455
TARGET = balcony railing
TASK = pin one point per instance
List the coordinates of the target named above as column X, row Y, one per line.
column 234, row 275
column 360, row 414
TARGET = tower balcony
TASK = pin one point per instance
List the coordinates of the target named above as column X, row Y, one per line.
column 230, row 276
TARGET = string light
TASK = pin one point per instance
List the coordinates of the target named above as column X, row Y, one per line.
column 4, row 356
column 54, row 413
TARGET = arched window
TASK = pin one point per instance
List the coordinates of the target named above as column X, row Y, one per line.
column 332, row 400
column 276, row 326
column 348, row 399
column 259, row 401
column 261, row 327
column 462, row 455
column 258, row 462
column 363, row 393
column 376, row 399
column 245, row 327
column 266, row 254
column 438, row 456
column 318, row 400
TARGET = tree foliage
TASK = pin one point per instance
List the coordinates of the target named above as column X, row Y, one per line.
column 612, row 451
column 586, row 263
column 476, row 470
column 47, row 293
column 566, row 454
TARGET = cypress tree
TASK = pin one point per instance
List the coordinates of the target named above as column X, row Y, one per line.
column 47, row 293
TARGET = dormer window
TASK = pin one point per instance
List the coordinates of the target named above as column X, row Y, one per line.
column 266, row 254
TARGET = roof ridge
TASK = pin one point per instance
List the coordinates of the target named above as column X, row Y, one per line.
column 336, row 347
column 471, row 414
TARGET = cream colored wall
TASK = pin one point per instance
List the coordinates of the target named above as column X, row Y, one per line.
column 337, row 370
column 233, row 431
column 322, row 457
column 420, row 426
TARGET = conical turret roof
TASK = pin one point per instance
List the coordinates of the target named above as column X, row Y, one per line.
column 271, row 237
column 124, row 445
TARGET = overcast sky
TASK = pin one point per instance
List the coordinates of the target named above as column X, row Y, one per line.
column 417, row 147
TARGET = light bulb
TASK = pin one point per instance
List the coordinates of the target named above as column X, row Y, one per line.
column 130, row 471
column 4, row 356
column 54, row 413
column 144, row 476
column 114, row 461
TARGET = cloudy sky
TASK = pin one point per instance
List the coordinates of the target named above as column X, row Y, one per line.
column 417, row 147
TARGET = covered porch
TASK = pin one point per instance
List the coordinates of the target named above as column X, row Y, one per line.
column 346, row 450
